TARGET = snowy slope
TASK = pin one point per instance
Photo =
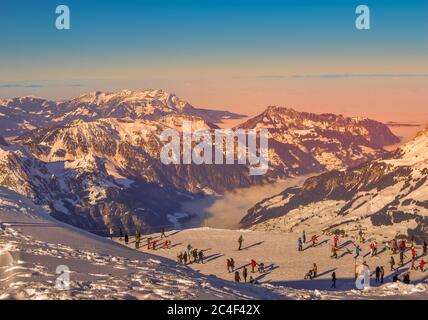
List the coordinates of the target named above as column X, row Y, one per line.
column 33, row 245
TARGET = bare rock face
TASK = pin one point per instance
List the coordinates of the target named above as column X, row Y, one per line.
column 391, row 191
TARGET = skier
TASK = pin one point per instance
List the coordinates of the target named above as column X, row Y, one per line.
column 195, row 255
column 357, row 251
column 180, row 258
column 314, row 240
column 232, row 264
column 189, row 247
column 237, row 276
column 413, row 267
column 201, row 256
column 375, row 248
column 334, row 241
column 303, row 236
column 163, row 235
column 240, row 241
column 228, row 265
column 245, row 274
column 120, row 234
column 392, row 263
column 126, row 238
column 414, row 253
column 185, row 257
column 333, row 280
column 360, row 235
column 377, row 271
column 154, row 243
column 253, row 265
column 251, row 280
column 315, row 270
column 424, row 248
column 394, row 246
column 334, row 252
column 137, row 240
column 401, row 257
column 382, row 274
column 421, row 265
column 387, row 248
column 111, row 232
column 261, row 267
column 299, row 245
column 402, row 245
column 166, row 244
column 149, row 241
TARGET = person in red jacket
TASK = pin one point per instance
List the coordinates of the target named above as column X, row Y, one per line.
column 314, row 240
column 422, row 265
column 253, row 265
column 414, row 253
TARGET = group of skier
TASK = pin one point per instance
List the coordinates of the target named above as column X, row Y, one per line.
column 191, row 256
column 253, row 264
column 391, row 247
column 302, row 240
column 151, row 243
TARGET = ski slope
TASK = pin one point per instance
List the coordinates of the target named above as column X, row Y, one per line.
column 286, row 267
column 33, row 245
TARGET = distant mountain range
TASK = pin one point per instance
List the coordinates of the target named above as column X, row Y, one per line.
column 385, row 197
column 19, row 115
column 94, row 160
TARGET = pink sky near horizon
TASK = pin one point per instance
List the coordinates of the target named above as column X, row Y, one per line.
column 383, row 99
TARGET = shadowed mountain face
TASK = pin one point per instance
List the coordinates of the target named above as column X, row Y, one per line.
column 95, row 160
column 391, row 191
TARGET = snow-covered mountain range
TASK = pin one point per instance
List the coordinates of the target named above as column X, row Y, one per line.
column 385, row 197
column 19, row 115
column 94, row 160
